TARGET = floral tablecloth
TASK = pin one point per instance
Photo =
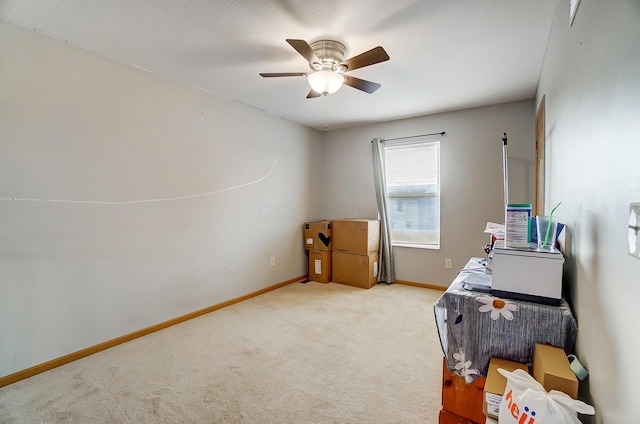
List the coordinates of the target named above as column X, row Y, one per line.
column 474, row 326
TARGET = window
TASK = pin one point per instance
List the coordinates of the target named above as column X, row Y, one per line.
column 412, row 177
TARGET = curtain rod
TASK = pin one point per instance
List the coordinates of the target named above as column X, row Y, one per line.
column 413, row 136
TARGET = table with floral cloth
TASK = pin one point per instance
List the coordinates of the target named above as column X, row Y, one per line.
column 474, row 326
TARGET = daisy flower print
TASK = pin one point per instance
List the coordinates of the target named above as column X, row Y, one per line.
column 497, row 307
column 464, row 367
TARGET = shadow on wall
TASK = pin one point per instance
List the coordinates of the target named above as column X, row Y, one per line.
column 302, row 212
column 522, row 173
column 344, row 211
column 582, row 291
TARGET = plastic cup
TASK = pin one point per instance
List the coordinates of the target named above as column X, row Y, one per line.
column 542, row 223
column 577, row 368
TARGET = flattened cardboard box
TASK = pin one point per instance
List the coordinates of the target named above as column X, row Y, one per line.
column 356, row 236
column 551, row 369
column 320, row 266
column 317, row 235
column 355, row 270
column 496, row 383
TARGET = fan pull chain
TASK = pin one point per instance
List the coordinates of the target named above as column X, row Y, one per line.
column 326, row 116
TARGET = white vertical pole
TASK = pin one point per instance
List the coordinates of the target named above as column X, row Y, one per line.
column 505, row 174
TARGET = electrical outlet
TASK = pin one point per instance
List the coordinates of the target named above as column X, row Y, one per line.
column 273, row 261
column 447, row 263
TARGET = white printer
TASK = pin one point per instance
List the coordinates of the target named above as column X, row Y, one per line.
column 528, row 274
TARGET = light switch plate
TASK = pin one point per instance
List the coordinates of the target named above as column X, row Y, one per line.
column 633, row 230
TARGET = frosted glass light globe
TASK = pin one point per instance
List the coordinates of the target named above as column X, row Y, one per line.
column 325, row 82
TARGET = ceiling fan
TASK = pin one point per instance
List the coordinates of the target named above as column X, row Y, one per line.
column 329, row 67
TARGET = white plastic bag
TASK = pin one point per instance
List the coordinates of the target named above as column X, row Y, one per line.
column 525, row 401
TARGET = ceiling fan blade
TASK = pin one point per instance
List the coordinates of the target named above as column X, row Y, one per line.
column 371, row 57
column 312, row 94
column 360, row 84
column 304, row 49
column 283, row 74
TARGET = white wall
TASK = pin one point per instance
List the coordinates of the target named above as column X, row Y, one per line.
column 591, row 80
column 471, row 179
column 76, row 126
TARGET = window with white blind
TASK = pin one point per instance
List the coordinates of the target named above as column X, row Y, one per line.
column 412, row 176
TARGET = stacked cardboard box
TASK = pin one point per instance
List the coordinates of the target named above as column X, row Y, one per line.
column 355, row 252
column 317, row 240
column 317, row 236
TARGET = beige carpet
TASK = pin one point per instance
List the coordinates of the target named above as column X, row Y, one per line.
column 304, row 353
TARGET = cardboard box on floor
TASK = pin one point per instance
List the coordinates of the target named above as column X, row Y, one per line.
column 317, row 235
column 355, row 270
column 496, row 383
column 320, row 266
column 356, row 236
column 551, row 369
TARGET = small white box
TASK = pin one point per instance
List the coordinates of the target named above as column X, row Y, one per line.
column 528, row 274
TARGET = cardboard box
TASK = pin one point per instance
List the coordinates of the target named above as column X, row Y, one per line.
column 496, row 383
column 320, row 266
column 317, row 235
column 356, row 236
column 355, row 270
column 551, row 369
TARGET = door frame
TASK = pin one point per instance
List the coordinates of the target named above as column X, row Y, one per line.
column 540, row 145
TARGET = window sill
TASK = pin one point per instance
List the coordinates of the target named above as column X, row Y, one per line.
column 417, row 246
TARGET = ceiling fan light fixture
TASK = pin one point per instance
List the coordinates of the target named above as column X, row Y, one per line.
column 329, row 67
column 325, row 82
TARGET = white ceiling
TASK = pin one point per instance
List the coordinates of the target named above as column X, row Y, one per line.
column 445, row 54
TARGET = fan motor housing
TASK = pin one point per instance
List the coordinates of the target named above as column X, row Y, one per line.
column 331, row 53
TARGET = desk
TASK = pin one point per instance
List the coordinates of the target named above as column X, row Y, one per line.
column 474, row 326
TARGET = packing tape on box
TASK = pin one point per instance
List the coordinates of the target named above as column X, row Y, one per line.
column 577, row 368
